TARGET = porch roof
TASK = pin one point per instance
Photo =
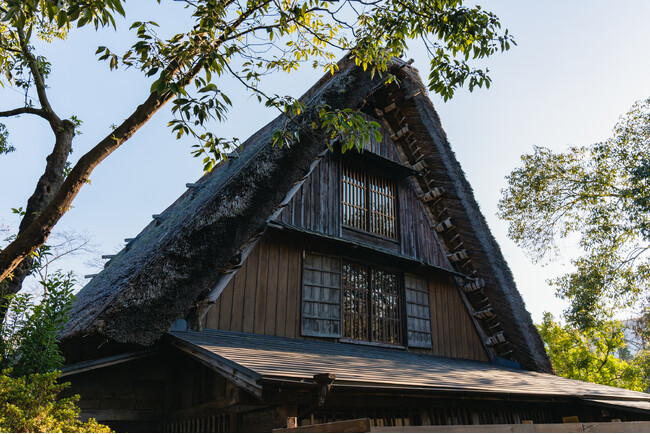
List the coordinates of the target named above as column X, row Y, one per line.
column 253, row 360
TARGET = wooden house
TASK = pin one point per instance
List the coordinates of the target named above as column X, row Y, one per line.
column 299, row 282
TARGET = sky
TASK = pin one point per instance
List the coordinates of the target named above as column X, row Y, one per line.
column 576, row 68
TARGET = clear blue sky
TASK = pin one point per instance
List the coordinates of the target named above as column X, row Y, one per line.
column 578, row 66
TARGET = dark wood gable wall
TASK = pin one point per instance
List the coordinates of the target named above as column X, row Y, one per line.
column 265, row 297
column 316, row 207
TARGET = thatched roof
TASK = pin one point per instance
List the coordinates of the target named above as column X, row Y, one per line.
column 162, row 274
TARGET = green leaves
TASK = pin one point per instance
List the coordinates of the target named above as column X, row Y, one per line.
column 348, row 127
column 5, row 146
column 29, row 341
column 598, row 355
column 597, row 194
column 30, row 404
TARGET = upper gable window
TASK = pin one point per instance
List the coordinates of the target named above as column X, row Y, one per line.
column 369, row 201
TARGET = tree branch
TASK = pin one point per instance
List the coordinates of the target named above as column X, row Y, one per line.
column 39, row 82
column 37, row 232
column 25, row 110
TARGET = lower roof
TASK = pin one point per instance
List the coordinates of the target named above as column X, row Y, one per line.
column 251, row 359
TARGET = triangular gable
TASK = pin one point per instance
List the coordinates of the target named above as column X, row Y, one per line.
column 191, row 249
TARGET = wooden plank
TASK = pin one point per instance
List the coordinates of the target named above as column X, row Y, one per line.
column 248, row 324
column 216, row 311
column 326, row 202
column 114, row 415
column 283, row 278
column 435, row 317
column 447, row 330
column 306, row 206
column 334, row 183
column 293, row 292
column 261, row 286
column 452, row 321
column 354, row 425
column 319, row 206
column 239, row 290
column 241, row 376
column 596, row 427
column 226, row 306
column 104, row 362
column 299, row 201
column 272, row 286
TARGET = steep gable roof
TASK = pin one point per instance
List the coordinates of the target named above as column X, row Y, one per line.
column 181, row 256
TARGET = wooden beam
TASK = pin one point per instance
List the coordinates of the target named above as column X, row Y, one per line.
column 243, row 377
column 604, row 427
column 444, row 225
column 362, row 246
column 113, row 415
column 89, row 365
column 354, row 425
column 431, row 195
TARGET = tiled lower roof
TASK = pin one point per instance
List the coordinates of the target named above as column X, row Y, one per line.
column 261, row 357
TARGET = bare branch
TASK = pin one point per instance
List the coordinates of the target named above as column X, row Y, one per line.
column 25, row 110
column 39, row 81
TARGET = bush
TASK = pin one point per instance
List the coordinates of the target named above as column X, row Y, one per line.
column 29, row 335
column 28, row 404
column 29, row 357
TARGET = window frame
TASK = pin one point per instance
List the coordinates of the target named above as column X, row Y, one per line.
column 368, row 171
column 401, row 308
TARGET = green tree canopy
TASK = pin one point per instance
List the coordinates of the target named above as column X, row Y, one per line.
column 600, row 194
column 598, row 355
column 245, row 40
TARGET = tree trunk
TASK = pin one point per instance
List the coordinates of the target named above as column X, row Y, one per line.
column 48, row 185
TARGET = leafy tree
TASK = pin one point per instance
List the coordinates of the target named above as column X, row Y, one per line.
column 29, row 335
column 29, row 359
column 245, row 40
column 600, row 194
column 597, row 355
column 29, row 404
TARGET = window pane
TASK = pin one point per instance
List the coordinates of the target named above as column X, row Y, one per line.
column 382, row 206
column 368, row 202
column 371, row 305
column 354, row 197
column 386, row 326
column 355, row 302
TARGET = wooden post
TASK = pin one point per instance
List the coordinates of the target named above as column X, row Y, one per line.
column 292, row 422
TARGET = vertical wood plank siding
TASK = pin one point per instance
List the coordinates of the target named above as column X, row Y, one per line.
column 453, row 334
column 317, row 206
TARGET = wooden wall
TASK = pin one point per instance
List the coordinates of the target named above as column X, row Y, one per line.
column 128, row 397
column 317, row 206
column 264, row 297
column 453, row 332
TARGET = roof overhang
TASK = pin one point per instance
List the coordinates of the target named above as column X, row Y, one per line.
column 363, row 247
column 259, row 362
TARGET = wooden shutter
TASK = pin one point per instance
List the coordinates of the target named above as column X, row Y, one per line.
column 321, row 296
column 417, row 312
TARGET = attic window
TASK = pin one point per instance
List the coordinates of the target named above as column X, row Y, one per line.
column 369, row 202
column 371, row 305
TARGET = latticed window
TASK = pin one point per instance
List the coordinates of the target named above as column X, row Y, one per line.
column 369, row 202
column 371, row 304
